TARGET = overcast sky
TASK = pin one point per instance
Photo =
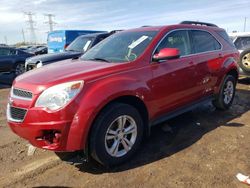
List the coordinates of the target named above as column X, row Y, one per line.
column 116, row 14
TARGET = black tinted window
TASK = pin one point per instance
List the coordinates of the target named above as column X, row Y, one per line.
column 176, row 39
column 7, row 51
column 242, row 43
column 4, row 51
column 204, row 42
column 225, row 36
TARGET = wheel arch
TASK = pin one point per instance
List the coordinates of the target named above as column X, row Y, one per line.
column 234, row 73
column 132, row 100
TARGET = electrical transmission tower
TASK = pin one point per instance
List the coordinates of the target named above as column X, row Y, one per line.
column 50, row 21
column 31, row 23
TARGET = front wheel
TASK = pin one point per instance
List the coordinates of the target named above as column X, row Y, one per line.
column 20, row 69
column 116, row 134
column 226, row 95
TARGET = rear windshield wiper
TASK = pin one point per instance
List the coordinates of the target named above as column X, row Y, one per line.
column 100, row 59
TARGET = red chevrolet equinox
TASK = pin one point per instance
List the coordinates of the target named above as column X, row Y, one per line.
column 107, row 101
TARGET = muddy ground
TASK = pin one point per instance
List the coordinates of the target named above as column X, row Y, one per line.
column 202, row 148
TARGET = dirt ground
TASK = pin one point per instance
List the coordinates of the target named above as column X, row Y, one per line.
column 202, row 148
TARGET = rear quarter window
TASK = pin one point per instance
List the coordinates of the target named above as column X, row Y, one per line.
column 225, row 36
column 204, row 42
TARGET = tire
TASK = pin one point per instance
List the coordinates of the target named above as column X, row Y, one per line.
column 245, row 61
column 19, row 69
column 225, row 98
column 104, row 134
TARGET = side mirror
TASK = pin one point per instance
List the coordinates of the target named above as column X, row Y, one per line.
column 166, row 54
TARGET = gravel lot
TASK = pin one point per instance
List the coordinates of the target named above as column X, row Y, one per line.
column 202, row 148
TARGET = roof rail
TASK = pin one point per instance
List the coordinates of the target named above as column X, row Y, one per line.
column 115, row 31
column 199, row 23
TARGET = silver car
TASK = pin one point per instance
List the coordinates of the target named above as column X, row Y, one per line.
column 241, row 41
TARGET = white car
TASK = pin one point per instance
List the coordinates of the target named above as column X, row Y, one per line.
column 241, row 41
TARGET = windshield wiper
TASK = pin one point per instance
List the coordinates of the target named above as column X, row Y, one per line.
column 71, row 50
column 100, row 59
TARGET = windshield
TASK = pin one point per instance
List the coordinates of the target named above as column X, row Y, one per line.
column 81, row 44
column 121, row 47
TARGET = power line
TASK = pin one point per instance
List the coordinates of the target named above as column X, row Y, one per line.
column 31, row 26
column 50, row 21
column 6, row 39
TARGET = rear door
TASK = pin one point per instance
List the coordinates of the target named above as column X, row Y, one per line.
column 6, row 59
column 173, row 80
column 207, row 55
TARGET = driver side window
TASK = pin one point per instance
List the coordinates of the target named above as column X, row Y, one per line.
column 176, row 39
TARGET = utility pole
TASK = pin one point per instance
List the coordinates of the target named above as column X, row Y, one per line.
column 6, row 40
column 23, row 36
column 245, row 24
column 50, row 21
column 31, row 26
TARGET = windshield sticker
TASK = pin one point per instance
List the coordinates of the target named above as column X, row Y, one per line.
column 86, row 45
column 137, row 42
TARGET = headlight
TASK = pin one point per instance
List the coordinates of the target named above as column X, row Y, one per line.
column 58, row 96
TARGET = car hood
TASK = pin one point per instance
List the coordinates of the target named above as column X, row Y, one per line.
column 49, row 58
column 65, row 71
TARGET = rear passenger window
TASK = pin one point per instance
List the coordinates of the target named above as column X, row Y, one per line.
column 176, row 39
column 204, row 42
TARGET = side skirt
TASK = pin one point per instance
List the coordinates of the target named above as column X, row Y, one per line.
column 180, row 111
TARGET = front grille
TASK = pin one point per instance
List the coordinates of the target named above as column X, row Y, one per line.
column 22, row 94
column 17, row 114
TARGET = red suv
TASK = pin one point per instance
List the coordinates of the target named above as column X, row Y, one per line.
column 106, row 101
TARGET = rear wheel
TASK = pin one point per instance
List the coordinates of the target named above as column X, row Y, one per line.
column 116, row 134
column 226, row 95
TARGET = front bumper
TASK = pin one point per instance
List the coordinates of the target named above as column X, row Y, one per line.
column 45, row 129
column 46, row 135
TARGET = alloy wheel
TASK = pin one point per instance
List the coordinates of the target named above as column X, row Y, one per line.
column 228, row 92
column 246, row 60
column 121, row 136
column 20, row 69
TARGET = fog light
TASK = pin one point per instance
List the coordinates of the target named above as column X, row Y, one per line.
column 50, row 136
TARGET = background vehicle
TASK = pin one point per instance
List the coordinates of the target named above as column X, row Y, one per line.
column 25, row 48
column 60, row 39
column 13, row 60
column 78, row 47
column 107, row 100
column 242, row 43
column 37, row 50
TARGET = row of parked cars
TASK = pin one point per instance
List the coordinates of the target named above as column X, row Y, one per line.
column 104, row 103
column 20, row 60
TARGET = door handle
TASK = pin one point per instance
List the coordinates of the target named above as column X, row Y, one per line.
column 220, row 56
